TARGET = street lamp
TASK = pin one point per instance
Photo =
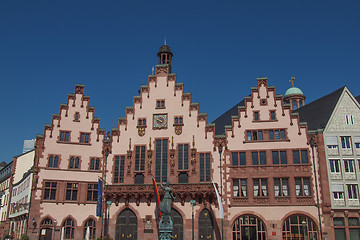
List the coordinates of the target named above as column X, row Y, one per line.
column 106, row 153
column 108, row 203
column 303, row 223
column 193, row 203
column 55, row 223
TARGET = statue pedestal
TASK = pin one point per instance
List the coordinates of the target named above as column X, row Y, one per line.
column 165, row 228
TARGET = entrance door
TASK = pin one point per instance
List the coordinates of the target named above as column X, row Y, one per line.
column 45, row 234
column 206, row 225
column 178, row 230
column 126, row 226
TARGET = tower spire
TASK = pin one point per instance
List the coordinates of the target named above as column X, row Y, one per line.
column 165, row 41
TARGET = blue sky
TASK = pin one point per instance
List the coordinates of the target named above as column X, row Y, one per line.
column 219, row 47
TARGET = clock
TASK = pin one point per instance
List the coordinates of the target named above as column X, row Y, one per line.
column 160, row 120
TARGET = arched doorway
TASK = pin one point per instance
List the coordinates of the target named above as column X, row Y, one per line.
column 299, row 227
column 46, row 228
column 206, row 225
column 178, row 230
column 126, row 226
column 248, row 227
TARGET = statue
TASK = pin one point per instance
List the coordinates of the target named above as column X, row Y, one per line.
column 166, row 224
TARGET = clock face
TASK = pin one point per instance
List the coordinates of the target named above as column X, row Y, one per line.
column 160, row 120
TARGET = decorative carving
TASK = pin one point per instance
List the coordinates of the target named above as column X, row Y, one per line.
column 129, row 152
column 178, row 129
column 162, row 70
column 141, row 131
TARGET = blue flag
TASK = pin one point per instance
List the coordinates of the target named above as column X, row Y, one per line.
column 99, row 199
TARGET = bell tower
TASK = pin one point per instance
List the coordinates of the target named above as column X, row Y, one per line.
column 165, row 54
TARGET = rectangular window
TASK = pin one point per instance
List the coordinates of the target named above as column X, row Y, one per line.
column 334, row 165
column 272, row 115
column 205, row 167
column 300, row 153
column 338, row 191
column 84, row 137
column 345, row 142
column 282, row 134
column 239, row 188
column 255, row 158
column 281, row 187
column 238, row 158
column 74, row 163
column 183, row 156
column 275, row 156
column 71, row 191
column 256, row 116
column 262, row 158
column 352, row 191
column 255, row 135
column 161, row 162
column 50, row 190
column 119, row 166
column 349, row 166
column 64, row 136
column 349, row 119
column 302, row 186
column 277, row 134
column 94, row 163
column 260, row 187
column 53, row 161
column 141, row 122
column 139, row 158
column 92, row 192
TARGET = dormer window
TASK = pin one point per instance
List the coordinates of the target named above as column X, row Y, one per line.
column 160, row 103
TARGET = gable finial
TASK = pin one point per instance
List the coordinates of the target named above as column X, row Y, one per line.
column 292, row 80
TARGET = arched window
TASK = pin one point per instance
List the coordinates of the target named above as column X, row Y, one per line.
column 178, row 230
column 90, row 229
column 248, row 227
column 299, row 227
column 69, row 229
column 47, row 221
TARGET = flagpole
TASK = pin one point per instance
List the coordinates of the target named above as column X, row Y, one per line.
column 221, row 190
column 103, row 197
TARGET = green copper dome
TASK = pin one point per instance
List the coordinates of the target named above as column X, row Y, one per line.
column 292, row 91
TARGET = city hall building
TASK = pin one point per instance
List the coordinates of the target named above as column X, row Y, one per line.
column 258, row 155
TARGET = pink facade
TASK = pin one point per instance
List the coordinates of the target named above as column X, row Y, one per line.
column 262, row 166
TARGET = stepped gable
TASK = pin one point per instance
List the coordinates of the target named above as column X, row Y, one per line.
column 318, row 112
column 163, row 78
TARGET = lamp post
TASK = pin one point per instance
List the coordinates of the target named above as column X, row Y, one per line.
column 108, row 204
column 221, row 190
column 303, row 223
column 193, row 203
column 55, row 223
column 312, row 144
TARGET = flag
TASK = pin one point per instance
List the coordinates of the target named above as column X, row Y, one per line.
column 99, row 199
column 157, row 196
column 219, row 202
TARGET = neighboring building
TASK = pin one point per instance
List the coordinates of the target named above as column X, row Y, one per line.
column 20, row 193
column 269, row 188
column 29, row 145
column 68, row 163
column 333, row 122
column 5, row 178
